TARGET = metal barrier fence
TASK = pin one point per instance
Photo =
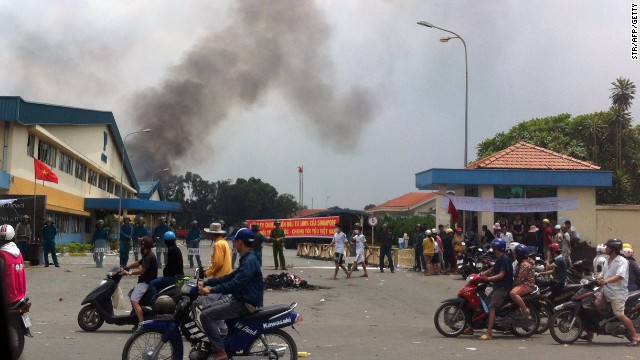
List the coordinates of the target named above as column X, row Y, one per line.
column 401, row 257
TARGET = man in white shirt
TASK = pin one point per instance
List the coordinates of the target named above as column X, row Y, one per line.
column 339, row 241
column 614, row 280
column 361, row 244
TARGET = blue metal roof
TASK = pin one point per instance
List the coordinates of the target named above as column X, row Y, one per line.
column 132, row 204
column 14, row 108
column 431, row 179
column 147, row 188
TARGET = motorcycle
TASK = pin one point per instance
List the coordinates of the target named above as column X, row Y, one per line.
column 99, row 306
column 19, row 324
column 549, row 299
column 571, row 318
column 473, row 261
column 469, row 309
column 258, row 336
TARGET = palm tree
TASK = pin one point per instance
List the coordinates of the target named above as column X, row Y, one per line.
column 622, row 94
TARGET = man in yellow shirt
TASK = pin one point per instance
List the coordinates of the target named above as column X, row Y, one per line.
column 221, row 255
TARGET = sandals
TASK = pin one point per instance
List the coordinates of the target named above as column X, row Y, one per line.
column 485, row 337
column 633, row 343
column 468, row 331
column 364, row 275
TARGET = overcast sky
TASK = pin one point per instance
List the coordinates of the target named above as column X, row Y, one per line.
column 354, row 91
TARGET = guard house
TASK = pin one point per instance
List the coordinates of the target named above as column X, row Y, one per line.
column 523, row 179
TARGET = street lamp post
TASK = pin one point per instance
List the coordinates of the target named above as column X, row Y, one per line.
column 466, row 95
column 124, row 143
column 155, row 172
column 466, row 81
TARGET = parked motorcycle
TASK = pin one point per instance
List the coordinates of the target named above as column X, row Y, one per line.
column 19, row 324
column 572, row 318
column 99, row 306
column 258, row 336
column 473, row 261
column 469, row 309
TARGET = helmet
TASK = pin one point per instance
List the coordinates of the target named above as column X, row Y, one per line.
column 100, row 222
column 600, row 249
column 245, row 235
column 194, row 222
column 449, row 231
column 25, row 217
column 255, row 227
column 169, row 235
column 627, row 252
column 614, row 244
column 7, row 232
column 162, row 218
column 499, row 244
column 385, row 225
column 558, row 227
column 139, row 218
column 512, row 245
column 357, row 226
column 627, row 246
column 147, row 243
column 164, row 305
column 522, row 250
column 555, row 247
column 48, row 220
column 244, row 224
column 428, row 232
column 172, row 221
column 434, row 231
column 276, row 222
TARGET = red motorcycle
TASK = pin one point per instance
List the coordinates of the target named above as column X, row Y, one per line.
column 469, row 310
column 19, row 323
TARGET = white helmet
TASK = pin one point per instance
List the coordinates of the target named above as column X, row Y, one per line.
column 513, row 245
column 428, row 232
column 600, row 249
column 434, row 231
column 7, row 232
column 627, row 252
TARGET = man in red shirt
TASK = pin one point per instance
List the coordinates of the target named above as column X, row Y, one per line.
column 11, row 266
column 547, row 231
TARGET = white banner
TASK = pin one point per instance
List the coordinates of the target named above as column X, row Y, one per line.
column 510, row 205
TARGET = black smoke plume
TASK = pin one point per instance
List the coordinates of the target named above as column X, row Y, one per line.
column 267, row 46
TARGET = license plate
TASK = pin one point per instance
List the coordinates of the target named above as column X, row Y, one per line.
column 26, row 320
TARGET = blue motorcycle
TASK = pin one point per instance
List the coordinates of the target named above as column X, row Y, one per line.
column 258, row 336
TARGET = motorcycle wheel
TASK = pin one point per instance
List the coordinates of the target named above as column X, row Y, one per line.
column 277, row 341
column 545, row 313
column 450, row 319
column 89, row 318
column 143, row 343
column 561, row 328
column 16, row 337
column 533, row 322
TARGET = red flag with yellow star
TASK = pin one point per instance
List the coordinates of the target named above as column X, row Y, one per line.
column 43, row 172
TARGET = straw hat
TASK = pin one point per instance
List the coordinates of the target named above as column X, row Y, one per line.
column 215, row 228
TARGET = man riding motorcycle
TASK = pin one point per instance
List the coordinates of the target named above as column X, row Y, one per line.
column 614, row 280
column 501, row 274
column 246, row 287
column 11, row 266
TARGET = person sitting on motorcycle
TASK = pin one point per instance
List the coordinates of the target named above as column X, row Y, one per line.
column 11, row 267
column 246, row 287
column 600, row 259
column 501, row 274
column 147, row 269
column 172, row 267
column 523, row 279
column 556, row 265
column 614, row 280
column 634, row 269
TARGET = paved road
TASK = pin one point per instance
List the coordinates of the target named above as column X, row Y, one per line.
column 385, row 316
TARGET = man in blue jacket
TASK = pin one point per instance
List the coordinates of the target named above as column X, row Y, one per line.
column 245, row 287
column 193, row 244
column 125, row 240
column 158, row 239
column 49, row 233
column 139, row 232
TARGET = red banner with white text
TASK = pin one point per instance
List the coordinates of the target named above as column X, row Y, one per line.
column 300, row 227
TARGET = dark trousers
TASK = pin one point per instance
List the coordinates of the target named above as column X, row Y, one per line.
column 420, row 263
column 224, row 309
column 386, row 251
column 278, row 253
column 50, row 247
column 124, row 252
column 159, row 284
column 258, row 254
column 22, row 246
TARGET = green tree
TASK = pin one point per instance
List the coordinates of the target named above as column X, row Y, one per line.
column 622, row 94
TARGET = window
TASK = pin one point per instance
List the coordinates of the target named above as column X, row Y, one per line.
column 110, row 186
column 75, row 225
column 31, row 144
column 102, row 182
column 81, row 171
column 66, row 163
column 47, row 153
column 62, row 223
column 93, row 178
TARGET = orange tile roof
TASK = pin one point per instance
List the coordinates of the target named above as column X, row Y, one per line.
column 527, row 156
column 408, row 200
